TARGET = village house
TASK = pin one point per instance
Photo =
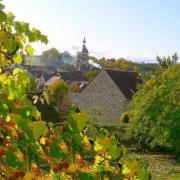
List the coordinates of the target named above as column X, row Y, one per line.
column 108, row 95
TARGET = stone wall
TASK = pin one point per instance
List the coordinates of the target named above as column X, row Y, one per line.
column 103, row 100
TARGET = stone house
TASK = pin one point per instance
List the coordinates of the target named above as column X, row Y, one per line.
column 108, row 95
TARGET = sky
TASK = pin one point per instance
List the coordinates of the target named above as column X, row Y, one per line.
column 135, row 29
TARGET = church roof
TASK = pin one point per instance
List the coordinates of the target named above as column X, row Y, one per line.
column 126, row 81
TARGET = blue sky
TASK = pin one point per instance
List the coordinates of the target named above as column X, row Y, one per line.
column 138, row 29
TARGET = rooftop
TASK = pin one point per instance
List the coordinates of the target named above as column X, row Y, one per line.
column 126, row 81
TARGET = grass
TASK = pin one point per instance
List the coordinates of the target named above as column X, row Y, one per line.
column 163, row 167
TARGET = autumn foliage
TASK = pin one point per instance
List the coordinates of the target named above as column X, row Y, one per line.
column 32, row 149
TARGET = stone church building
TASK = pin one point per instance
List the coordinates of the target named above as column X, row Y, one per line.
column 108, row 95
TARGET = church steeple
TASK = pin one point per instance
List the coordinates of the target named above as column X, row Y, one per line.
column 84, row 41
column 84, row 49
column 83, row 57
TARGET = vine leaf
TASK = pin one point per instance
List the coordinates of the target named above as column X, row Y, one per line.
column 17, row 58
column 55, row 151
column 81, row 120
column 3, row 16
column 29, row 50
column 38, row 128
column 87, row 176
column 11, row 159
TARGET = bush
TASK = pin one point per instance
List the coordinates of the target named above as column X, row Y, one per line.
column 155, row 115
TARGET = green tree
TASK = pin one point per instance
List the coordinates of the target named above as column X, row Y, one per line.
column 57, row 92
column 165, row 62
column 52, row 53
column 51, row 57
column 92, row 74
column 154, row 121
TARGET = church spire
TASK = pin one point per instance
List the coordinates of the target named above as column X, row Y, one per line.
column 84, row 48
column 84, row 41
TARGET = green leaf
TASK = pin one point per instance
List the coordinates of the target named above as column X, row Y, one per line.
column 29, row 50
column 81, row 120
column 38, row 128
column 1, row 6
column 86, row 176
column 18, row 27
column 3, row 16
column 44, row 39
column 36, row 33
column 18, row 71
column 25, row 127
column 2, row 36
column 55, row 151
column 12, row 93
column 10, row 45
column 17, row 58
column 11, row 159
column 10, row 16
column 115, row 152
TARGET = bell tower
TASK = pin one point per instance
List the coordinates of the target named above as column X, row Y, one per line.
column 82, row 57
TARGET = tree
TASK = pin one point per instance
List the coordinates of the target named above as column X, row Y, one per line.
column 165, row 62
column 154, row 121
column 51, row 57
column 58, row 92
column 92, row 74
column 52, row 53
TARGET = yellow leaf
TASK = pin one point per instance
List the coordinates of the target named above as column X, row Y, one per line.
column 29, row 176
column 43, row 140
column 17, row 58
column 97, row 146
column 73, row 168
column 14, row 132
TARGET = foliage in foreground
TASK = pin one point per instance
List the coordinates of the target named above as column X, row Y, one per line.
column 31, row 149
column 155, row 115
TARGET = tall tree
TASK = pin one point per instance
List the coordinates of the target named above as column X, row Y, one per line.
column 165, row 62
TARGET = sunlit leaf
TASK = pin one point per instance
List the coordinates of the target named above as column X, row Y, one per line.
column 3, row 16
column 29, row 50
column 2, row 36
column 114, row 152
column 10, row 45
column 38, row 128
column 81, row 120
column 17, row 58
column 29, row 176
column 10, row 16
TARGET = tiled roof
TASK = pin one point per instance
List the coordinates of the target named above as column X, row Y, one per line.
column 73, row 76
column 126, row 81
